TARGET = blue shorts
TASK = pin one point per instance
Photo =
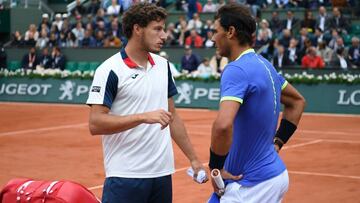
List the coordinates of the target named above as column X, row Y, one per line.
column 137, row 190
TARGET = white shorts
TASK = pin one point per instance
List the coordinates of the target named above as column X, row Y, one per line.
column 270, row 191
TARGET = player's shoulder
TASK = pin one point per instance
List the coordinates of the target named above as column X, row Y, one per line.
column 112, row 63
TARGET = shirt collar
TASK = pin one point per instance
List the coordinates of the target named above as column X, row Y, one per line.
column 250, row 50
column 130, row 63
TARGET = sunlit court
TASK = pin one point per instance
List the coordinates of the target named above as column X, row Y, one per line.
column 52, row 142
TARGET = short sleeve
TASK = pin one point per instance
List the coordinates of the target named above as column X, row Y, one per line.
column 172, row 91
column 104, row 87
column 283, row 81
column 234, row 84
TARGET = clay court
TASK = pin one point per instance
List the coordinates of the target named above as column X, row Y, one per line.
column 52, row 141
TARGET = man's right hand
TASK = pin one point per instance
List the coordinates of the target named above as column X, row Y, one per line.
column 159, row 116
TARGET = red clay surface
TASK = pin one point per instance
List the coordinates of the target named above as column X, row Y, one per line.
column 49, row 141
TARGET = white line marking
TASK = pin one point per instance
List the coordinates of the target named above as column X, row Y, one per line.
column 42, row 104
column 328, row 132
column 332, row 115
column 43, row 129
column 324, row 174
column 302, row 144
column 177, row 170
column 329, row 140
column 184, row 109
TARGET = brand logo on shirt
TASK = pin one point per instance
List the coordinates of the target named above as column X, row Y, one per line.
column 134, row 76
column 95, row 89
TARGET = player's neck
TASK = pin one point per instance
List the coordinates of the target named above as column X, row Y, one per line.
column 136, row 52
column 237, row 51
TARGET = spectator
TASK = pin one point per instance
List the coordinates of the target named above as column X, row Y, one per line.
column 290, row 21
column 220, row 4
column 311, row 60
column 339, row 59
column 115, row 29
column 3, row 57
column 195, row 23
column 190, row 61
column 52, row 40
column 172, row 36
column 194, row 40
column 30, row 60
column 93, row 7
column 339, row 22
column 182, row 32
column 285, row 39
column 89, row 40
column 44, row 21
column 334, row 36
column 30, row 40
column 173, row 70
column 323, row 20
column 318, row 37
column 62, row 40
column 113, row 9
column 209, row 26
column 293, row 53
column 209, row 7
column 340, row 44
column 191, row 8
column 204, row 70
column 282, row 3
column 275, row 23
column 354, row 52
column 218, row 62
column 309, row 22
column 264, row 27
column 281, row 60
column 33, row 32
column 45, row 59
column 58, row 21
column 100, row 36
column 302, row 38
column 125, row 4
column 324, row 52
column 17, row 39
column 79, row 9
column 78, row 31
column 43, row 40
column 71, row 40
column 208, row 43
column 58, row 59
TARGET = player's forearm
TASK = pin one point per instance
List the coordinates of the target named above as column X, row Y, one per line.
column 293, row 111
column 102, row 124
column 221, row 137
column 179, row 135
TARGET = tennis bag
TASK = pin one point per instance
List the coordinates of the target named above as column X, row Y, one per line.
column 31, row 191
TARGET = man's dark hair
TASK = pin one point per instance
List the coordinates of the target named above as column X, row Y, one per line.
column 141, row 14
column 240, row 18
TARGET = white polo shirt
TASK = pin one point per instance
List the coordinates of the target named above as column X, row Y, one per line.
column 125, row 88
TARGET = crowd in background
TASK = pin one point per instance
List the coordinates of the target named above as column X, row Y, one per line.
column 310, row 42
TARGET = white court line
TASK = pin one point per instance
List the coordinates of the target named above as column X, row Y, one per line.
column 300, row 131
column 328, row 140
column 42, row 129
column 42, row 104
column 302, row 144
column 183, row 109
column 328, row 132
column 323, row 174
column 177, row 170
